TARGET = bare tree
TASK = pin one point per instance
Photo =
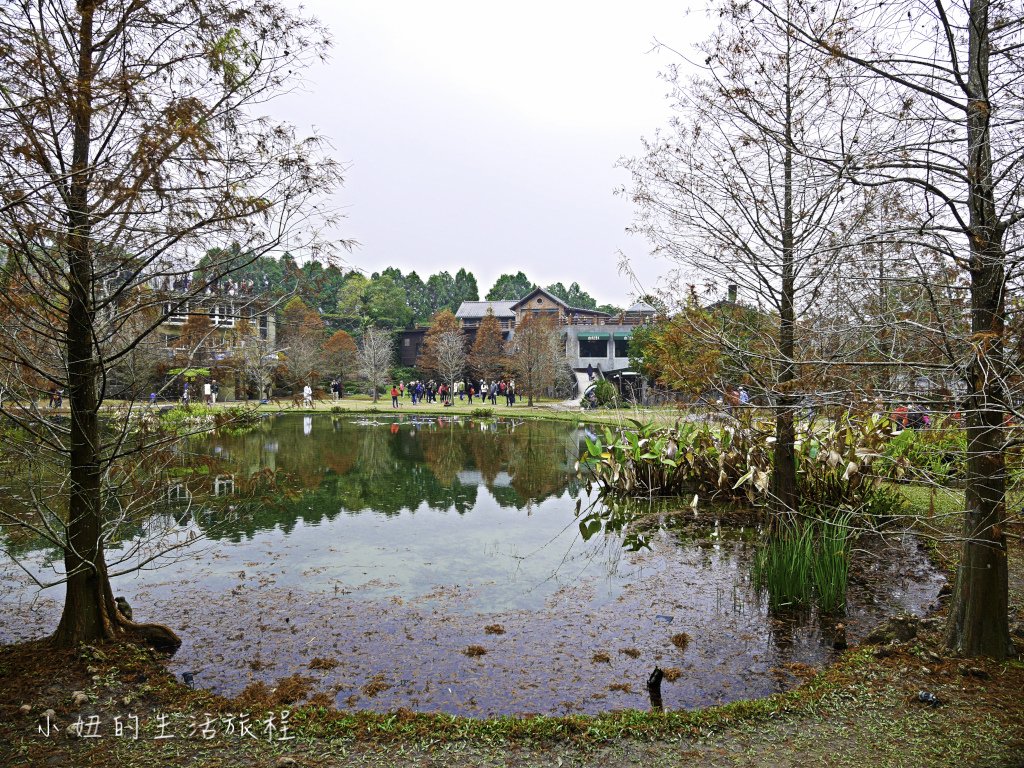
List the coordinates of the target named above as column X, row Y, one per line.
column 441, row 324
column 450, row 355
column 735, row 193
column 302, row 337
column 536, row 356
column 130, row 136
column 254, row 357
column 376, row 350
column 952, row 89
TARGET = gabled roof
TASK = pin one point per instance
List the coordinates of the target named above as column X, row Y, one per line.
column 642, row 308
column 558, row 301
column 588, row 311
column 479, row 309
column 534, row 292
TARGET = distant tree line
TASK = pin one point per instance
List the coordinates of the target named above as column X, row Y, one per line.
column 351, row 301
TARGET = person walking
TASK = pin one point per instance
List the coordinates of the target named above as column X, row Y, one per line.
column 214, row 391
column 307, row 396
column 394, row 396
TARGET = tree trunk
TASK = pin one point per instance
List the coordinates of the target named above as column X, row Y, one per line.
column 90, row 613
column 784, row 489
column 978, row 622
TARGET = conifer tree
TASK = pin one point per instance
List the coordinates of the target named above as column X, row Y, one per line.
column 488, row 354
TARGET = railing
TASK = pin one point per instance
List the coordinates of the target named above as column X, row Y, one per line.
column 622, row 319
column 505, row 324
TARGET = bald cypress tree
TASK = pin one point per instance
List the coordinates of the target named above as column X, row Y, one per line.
column 488, row 354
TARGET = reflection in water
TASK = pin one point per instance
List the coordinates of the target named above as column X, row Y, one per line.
column 391, row 546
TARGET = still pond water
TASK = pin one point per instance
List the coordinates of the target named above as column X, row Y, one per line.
column 401, row 541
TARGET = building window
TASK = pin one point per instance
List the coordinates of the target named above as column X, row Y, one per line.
column 175, row 315
column 224, row 485
column 622, row 347
column 597, row 348
column 405, row 342
column 222, row 316
column 539, row 300
column 264, row 327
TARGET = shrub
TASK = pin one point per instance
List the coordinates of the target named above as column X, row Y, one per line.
column 405, row 373
column 606, row 394
column 931, row 454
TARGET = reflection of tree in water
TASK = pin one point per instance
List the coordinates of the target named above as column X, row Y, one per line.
column 444, row 450
column 534, row 462
column 375, row 453
column 488, row 452
column 345, row 468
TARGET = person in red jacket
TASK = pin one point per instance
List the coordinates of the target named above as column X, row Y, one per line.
column 394, row 396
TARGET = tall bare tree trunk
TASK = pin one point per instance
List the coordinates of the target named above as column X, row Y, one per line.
column 90, row 613
column 978, row 622
column 784, row 490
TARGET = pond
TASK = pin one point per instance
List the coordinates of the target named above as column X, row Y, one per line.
column 439, row 565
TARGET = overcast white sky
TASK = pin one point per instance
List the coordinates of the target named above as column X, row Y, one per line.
column 484, row 135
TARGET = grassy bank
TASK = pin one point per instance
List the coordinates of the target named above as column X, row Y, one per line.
column 542, row 409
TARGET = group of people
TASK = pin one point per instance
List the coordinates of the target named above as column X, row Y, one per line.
column 218, row 287
column 56, row 397
column 210, row 392
column 432, row 392
column 734, row 398
column 913, row 417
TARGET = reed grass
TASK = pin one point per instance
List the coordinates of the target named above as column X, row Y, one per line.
column 782, row 566
column 831, row 565
column 803, row 562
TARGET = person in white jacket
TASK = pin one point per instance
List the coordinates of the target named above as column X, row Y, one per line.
column 307, row 396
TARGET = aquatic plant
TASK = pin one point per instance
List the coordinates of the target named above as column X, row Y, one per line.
column 782, row 566
column 831, row 565
column 803, row 561
column 834, row 460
